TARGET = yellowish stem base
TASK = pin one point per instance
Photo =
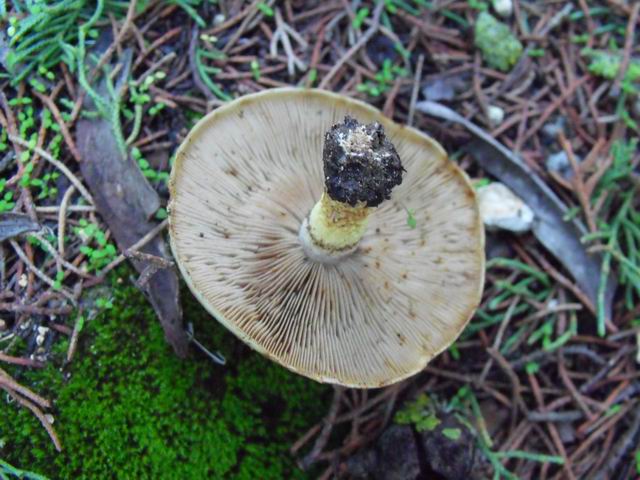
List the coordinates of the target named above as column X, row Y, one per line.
column 337, row 226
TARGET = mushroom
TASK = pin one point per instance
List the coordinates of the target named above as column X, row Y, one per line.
column 284, row 227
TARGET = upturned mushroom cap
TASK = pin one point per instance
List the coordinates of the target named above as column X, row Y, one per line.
column 242, row 183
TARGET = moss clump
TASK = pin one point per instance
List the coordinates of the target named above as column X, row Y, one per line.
column 499, row 47
column 607, row 64
column 131, row 409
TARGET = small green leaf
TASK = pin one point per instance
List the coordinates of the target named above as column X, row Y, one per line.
column 38, row 86
column 428, row 423
column 161, row 214
column 483, row 182
column 313, row 76
column 255, row 70
column 411, row 220
column 536, row 52
column 613, row 409
column 455, row 353
column 80, row 324
column 584, row 38
column 478, row 5
column 265, row 9
column 571, row 214
column 391, row 8
column 532, row 368
column 361, row 16
column 534, row 457
column 143, row 164
column 406, row 54
column 452, row 433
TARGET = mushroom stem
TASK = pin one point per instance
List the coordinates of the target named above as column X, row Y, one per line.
column 361, row 167
column 333, row 229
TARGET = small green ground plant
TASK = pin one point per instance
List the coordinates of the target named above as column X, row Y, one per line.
column 516, row 294
column 618, row 227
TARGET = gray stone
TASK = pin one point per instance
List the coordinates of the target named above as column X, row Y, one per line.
column 501, row 209
column 559, row 163
column 551, row 129
column 504, row 8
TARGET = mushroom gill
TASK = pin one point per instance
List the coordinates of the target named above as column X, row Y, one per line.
column 244, row 181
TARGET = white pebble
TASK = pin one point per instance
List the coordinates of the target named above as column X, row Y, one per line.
column 22, row 281
column 42, row 335
column 504, row 8
column 500, row 208
column 495, row 114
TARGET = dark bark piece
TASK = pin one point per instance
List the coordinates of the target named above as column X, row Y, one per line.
column 448, row 458
column 126, row 202
column 393, row 457
column 360, row 163
column 14, row 224
column 404, row 454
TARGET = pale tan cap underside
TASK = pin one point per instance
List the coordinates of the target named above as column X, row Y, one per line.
column 242, row 183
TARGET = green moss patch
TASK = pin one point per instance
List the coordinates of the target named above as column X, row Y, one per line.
column 128, row 408
column 500, row 48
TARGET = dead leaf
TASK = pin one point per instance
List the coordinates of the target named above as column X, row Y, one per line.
column 127, row 202
column 14, row 224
